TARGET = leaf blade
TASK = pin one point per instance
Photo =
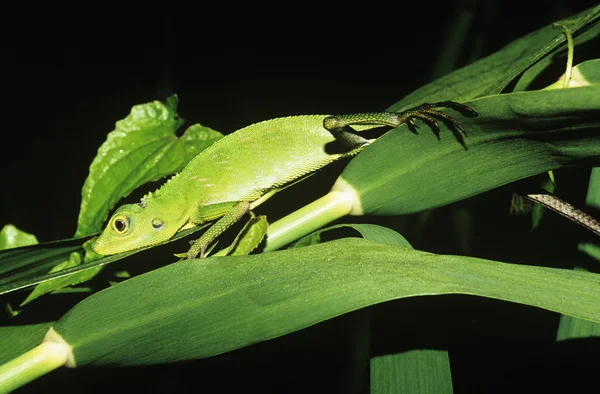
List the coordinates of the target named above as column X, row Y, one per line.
column 515, row 136
column 197, row 308
column 417, row 371
column 491, row 74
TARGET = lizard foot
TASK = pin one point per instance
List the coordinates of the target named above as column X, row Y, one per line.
column 428, row 113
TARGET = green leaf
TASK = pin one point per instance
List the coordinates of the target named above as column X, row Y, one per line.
column 572, row 328
column 584, row 74
column 537, row 210
column 587, row 73
column 142, row 148
column 249, row 237
column 371, row 232
column 50, row 286
column 45, row 259
column 199, row 308
column 29, row 266
column 16, row 340
column 493, row 73
column 26, row 262
column 417, row 371
column 12, row 237
column 590, row 249
column 73, row 290
column 515, row 136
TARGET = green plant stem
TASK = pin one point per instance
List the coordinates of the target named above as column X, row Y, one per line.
column 307, row 219
column 29, row 366
column 570, row 46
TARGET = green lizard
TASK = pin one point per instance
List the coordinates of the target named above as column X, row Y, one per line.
column 244, row 169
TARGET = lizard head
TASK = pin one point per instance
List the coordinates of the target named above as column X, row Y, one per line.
column 134, row 226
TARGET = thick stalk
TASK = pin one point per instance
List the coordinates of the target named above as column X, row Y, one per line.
column 31, row 365
column 307, row 219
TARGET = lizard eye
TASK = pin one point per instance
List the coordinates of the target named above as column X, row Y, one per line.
column 157, row 223
column 120, row 224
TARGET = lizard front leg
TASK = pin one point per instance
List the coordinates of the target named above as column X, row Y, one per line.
column 234, row 214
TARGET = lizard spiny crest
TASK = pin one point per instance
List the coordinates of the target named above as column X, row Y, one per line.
column 156, row 193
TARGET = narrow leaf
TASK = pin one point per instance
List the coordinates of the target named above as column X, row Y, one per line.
column 28, row 261
column 16, row 340
column 371, row 232
column 49, row 254
column 573, row 328
column 491, row 74
column 590, row 249
column 199, row 308
column 417, row 371
column 50, row 286
column 515, row 136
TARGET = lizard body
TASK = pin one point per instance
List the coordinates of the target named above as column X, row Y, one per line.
column 242, row 170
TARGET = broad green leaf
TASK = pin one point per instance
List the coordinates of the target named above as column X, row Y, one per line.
column 426, row 368
column 16, row 340
column 12, row 237
column 515, row 136
column 199, row 308
column 416, row 371
column 493, row 73
column 371, row 232
column 142, row 148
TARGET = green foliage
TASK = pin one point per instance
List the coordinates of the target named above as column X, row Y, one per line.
column 16, row 340
column 196, row 309
column 199, row 308
column 416, row 371
column 492, row 74
column 372, row 232
column 515, row 136
column 142, row 148
column 12, row 237
column 50, row 286
column 29, row 267
column 20, row 265
column 250, row 237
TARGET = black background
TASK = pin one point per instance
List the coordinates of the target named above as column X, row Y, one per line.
column 68, row 75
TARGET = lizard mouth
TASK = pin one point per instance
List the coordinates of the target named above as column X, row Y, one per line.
column 101, row 247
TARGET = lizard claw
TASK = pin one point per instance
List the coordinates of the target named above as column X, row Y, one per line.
column 428, row 113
